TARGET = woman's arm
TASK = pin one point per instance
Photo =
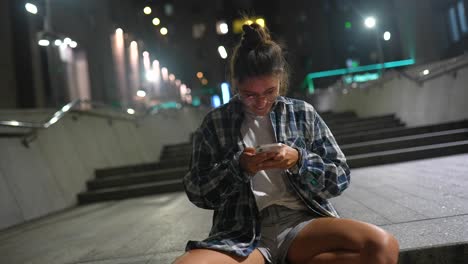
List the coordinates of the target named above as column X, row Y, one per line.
column 213, row 176
column 322, row 166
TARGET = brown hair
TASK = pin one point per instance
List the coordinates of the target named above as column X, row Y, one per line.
column 258, row 55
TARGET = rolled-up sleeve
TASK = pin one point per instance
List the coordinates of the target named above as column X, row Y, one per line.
column 323, row 168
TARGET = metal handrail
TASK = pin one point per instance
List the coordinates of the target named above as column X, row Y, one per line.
column 446, row 68
column 56, row 116
column 35, row 126
column 441, row 68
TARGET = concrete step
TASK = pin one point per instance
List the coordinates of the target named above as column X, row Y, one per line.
column 180, row 161
column 137, row 190
column 163, row 164
column 175, row 152
column 357, row 121
column 397, row 132
column 137, row 178
column 12, row 134
column 338, row 132
column 405, row 142
column 345, row 114
column 407, row 154
column 175, row 146
column 105, row 172
column 451, row 253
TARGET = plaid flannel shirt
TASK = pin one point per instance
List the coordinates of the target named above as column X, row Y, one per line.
column 215, row 180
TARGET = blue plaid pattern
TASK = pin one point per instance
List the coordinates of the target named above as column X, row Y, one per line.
column 215, row 180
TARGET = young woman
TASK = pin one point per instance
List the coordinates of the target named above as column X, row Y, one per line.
column 272, row 207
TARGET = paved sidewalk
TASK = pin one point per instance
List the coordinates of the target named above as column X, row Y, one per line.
column 423, row 203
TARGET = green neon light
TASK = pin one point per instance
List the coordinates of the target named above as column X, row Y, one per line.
column 166, row 105
column 361, row 77
column 392, row 64
column 310, row 85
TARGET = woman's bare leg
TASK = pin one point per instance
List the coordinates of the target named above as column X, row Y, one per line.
column 207, row 256
column 336, row 240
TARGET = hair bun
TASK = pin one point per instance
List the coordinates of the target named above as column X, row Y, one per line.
column 252, row 36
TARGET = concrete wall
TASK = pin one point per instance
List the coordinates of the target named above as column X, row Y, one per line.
column 47, row 176
column 438, row 100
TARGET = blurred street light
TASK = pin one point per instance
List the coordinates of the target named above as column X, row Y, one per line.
column 156, row 21
column 222, row 52
column 164, row 73
column 370, row 22
column 172, row 77
column 44, row 42
column 31, row 8
column 163, row 31
column 147, row 10
column 222, row 28
column 141, row 93
column 67, row 41
column 225, row 92
column 387, row 35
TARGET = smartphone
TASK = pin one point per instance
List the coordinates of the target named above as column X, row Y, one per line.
column 268, row 147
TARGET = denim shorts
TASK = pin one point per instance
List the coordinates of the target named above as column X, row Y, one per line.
column 280, row 225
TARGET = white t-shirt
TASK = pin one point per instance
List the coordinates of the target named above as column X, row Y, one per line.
column 268, row 186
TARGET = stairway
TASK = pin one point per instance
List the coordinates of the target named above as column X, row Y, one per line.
column 399, row 144
column 365, row 142
column 140, row 179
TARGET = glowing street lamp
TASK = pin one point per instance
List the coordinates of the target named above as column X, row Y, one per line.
column 44, row 42
column 156, row 21
column 387, row 35
column 31, row 8
column 222, row 28
column 222, row 52
column 147, row 10
column 370, row 22
column 141, row 93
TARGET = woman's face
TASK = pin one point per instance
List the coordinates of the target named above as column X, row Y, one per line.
column 258, row 94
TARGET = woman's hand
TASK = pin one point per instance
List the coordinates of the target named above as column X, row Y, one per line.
column 285, row 157
column 251, row 162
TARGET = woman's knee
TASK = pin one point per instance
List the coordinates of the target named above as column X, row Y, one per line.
column 382, row 247
column 195, row 256
column 207, row 256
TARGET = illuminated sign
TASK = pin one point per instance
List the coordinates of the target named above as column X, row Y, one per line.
column 309, row 84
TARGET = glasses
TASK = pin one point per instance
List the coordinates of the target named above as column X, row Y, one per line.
column 252, row 99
